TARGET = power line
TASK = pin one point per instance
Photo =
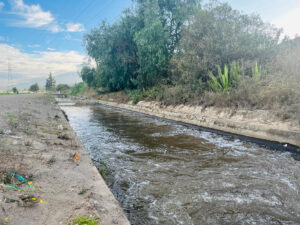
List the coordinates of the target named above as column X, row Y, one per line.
column 9, row 78
column 96, row 16
column 76, row 17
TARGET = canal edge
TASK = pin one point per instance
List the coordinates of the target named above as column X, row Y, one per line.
column 112, row 212
column 261, row 138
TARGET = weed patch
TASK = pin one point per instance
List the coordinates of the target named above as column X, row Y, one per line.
column 63, row 136
column 103, row 169
column 12, row 121
column 29, row 131
column 82, row 191
column 52, row 160
column 84, row 220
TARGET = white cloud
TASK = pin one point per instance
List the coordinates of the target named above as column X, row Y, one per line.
column 75, row 27
column 33, row 46
column 290, row 22
column 1, row 5
column 51, row 49
column 33, row 16
column 38, row 65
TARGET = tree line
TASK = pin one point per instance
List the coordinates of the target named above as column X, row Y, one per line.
column 176, row 41
column 49, row 86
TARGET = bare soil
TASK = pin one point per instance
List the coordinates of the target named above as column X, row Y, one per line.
column 37, row 143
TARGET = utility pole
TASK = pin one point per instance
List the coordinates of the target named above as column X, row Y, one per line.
column 8, row 75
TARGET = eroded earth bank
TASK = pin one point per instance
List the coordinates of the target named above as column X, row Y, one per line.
column 42, row 180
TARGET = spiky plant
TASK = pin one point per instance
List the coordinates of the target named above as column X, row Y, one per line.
column 235, row 73
column 214, row 83
column 256, row 72
column 224, row 77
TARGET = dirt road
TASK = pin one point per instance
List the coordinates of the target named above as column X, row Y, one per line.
column 46, row 176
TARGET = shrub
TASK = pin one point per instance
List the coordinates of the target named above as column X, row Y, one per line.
column 62, row 87
column 78, row 88
column 135, row 95
column 15, row 90
column 84, row 220
column 34, row 88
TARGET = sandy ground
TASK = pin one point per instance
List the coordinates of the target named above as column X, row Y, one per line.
column 37, row 143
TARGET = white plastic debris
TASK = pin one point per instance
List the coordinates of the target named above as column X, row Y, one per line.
column 60, row 127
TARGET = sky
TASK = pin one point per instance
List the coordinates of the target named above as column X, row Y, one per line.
column 42, row 36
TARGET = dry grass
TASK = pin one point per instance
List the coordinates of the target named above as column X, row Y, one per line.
column 275, row 94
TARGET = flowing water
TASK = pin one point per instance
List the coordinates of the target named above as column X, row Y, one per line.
column 165, row 173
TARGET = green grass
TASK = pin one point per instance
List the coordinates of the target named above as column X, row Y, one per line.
column 82, row 191
column 84, row 220
column 29, row 131
column 12, row 121
column 6, row 93
column 103, row 169
column 12, row 116
column 10, row 93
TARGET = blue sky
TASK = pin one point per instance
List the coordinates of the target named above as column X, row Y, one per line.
column 39, row 36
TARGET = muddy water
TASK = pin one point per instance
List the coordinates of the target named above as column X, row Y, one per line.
column 164, row 173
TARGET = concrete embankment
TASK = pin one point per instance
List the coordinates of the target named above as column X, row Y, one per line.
column 46, row 175
column 259, row 126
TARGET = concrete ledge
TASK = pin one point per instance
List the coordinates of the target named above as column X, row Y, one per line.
column 259, row 124
column 37, row 142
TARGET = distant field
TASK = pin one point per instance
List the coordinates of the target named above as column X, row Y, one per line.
column 6, row 93
column 21, row 93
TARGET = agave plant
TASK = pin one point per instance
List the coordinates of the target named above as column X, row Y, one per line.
column 235, row 73
column 214, row 83
column 256, row 72
column 224, row 78
column 220, row 83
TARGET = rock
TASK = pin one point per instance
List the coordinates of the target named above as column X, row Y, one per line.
column 7, row 132
column 56, row 117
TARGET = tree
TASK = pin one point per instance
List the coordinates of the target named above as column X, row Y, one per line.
column 50, row 83
column 172, row 14
column 34, row 88
column 88, row 75
column 15, row 90
column 152, row 45
column 62, row 87
column 135, row 51
column 115, row 52
column 217, row 36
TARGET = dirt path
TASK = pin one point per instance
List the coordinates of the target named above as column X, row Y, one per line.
column 37, row 143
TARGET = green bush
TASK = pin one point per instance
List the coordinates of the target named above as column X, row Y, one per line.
column 34, row 88
column 84, row 220
column 78, row 88
column 62, row 87
column 135, row 95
